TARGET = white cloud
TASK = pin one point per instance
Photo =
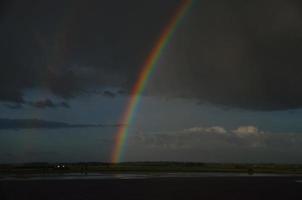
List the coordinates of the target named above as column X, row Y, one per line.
column 244, row 131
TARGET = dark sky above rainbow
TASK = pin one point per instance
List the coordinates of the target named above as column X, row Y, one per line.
column 226, row 84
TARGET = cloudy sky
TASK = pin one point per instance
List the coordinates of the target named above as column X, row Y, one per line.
column 227, row 87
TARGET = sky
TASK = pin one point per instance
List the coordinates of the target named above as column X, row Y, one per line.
column 226, row 87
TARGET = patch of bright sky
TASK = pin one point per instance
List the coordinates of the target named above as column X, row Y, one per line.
column 95, row 144
column 56, row 145
column 155, row 114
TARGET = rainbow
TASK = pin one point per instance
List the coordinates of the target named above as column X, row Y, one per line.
column 148, row 68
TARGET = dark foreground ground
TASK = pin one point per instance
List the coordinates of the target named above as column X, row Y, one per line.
column 207, row 188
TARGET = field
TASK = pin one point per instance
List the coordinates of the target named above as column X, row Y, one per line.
column 150, row 180
column 146, row 167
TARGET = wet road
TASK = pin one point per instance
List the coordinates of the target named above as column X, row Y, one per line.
column 208, row 188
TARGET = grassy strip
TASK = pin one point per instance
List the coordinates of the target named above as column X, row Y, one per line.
column 149, row 167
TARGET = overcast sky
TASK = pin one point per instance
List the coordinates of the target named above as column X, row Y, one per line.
column 227, row 87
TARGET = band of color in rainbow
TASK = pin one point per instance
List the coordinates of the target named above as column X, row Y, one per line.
column 147, row 69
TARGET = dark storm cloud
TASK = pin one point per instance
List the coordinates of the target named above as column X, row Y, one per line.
column 6, row 124
column 47, row 103
column 236, row 53
column 108, row 93
column 64, row 104
column 3, row 7
column 43, row 104
column 67, row 46
column 13, row 105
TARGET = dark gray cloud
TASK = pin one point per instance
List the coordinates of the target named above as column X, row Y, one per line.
column 42, row 124
column 47, row 103
column 13, row 105
column 64, row 104
column 108, row 93
column 42, row 103
column 235, row 53
column 67, row 46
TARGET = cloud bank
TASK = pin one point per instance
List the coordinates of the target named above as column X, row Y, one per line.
column 67, row 46
column 243, row 54
column 237, row 53
column 217, row 144
column 7, row 124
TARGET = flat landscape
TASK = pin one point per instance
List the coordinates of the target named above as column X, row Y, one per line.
column 30, row 169
column 150, row 180
column 207, row 187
